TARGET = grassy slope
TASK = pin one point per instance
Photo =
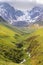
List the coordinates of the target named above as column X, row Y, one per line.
column 35, row 47
column 39, row 56
column 7, row 42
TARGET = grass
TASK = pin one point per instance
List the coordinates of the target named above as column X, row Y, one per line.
column 35, row 47
column 8, row 63
column 32, row 43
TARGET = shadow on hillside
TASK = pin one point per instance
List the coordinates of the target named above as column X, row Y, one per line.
column 33, row 44
column 32, row 38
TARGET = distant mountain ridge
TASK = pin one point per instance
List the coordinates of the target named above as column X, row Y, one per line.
column 20, row 24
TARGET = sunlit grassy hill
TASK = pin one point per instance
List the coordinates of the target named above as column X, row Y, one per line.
column 35, row 47
column 8, row 39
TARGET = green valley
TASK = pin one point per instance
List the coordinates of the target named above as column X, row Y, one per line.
column 20, row 48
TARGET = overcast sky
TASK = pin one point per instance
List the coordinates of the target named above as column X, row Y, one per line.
column 23, row 4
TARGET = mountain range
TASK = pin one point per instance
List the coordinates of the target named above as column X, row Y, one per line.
column 9, row 13
column 19, row 18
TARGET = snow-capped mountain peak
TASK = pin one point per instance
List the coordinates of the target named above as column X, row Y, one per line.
column 31, row 16
column 9, row 13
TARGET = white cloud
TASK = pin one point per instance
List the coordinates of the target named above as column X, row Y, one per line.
column 40, row 1
column 17, row 0
column 23, row 4
column 12, row 0
column 36, row 1
column 24, row 0
column 7, row 0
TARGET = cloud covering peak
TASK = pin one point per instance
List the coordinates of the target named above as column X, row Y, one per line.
column 23, row 4
column 39, row 1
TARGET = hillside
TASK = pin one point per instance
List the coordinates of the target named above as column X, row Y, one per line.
column 8, row 38
column 35, row 47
